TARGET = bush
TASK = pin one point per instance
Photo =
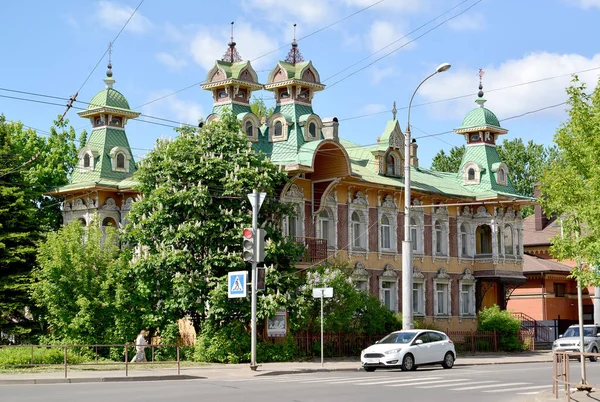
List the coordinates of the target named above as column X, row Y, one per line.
column 501, row 321
column 230, row 344
column 41, row 355
column 277, row 352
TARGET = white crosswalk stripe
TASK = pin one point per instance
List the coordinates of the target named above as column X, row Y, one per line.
column 466, row 382
column 407, row 384
column 520, row 388
column 361, row 380
column 490, row 386
column 400, row 380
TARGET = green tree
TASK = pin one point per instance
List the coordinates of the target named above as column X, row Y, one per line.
column 189, row 221
column 81, row 275
column 260, row 109
column 448, row 163
column 570, row 187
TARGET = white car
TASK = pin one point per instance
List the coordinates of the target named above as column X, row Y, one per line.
column 571, row 341
column 408, row 350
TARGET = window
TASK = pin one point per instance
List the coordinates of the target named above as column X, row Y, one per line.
column 99, row 121
column 249, row 129
column 424, row 337
column 115, row 121
column 356, row 231
column 471, row 174
column 386, row 233
column 559, row 290
column 222, row 94
column 391, row 165
column 361, row 284
column 439, row 235
column 467, row 299
column 464, row 240
column 508, row 240
column 312, row 130
column 120, row 161
column 418, row 298
column 86, row 161
column 278, row 129
column 323, row 225
column 388, row 295
column 292, row 226
column 413, row 234
column 435, row 337
column 443, row 296
column 502, row 176
column 484, row 239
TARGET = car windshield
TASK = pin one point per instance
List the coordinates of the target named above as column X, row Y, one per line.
column 399, row 337
column 574, row 331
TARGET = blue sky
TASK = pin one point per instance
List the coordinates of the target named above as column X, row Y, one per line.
column 51, row 47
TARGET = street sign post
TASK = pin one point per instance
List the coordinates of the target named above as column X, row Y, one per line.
column 256, row 200
column 321, row 293
column 236, row 284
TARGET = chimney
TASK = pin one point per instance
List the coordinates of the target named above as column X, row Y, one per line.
column 414, row 160
column 330, row 128
column 541, row 221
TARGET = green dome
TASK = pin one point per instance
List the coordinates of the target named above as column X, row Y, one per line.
column 109, row 98
column 479, row 117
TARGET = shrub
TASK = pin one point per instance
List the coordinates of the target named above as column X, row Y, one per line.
column 277, row 352
column 229, row 344
column 41, row 355
column 501, row 321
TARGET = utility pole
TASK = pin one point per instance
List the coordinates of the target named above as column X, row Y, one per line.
column 255, row 208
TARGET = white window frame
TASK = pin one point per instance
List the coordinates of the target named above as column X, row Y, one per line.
column 465, row 172
column 444, row 280
column 252, row 118
column 360, row 205
column 444, row 235
column 419, row 285
column 278, row 117
column 389, row 209
column 113, row 156
column 464, row 240
column 467, row 279
column 507, row 231
column 360, row 276
column 385, row 233
column 417, row 229
column 86, row 151
column 357, row 231
column 389, row 276
column 299, row 221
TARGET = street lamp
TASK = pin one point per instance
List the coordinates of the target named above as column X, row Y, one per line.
column 407, row 268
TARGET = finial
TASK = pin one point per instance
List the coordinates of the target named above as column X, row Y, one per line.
column 294, row 55
column 109, row 81
column 394, row 111
column 480, row 100
column 231, row 54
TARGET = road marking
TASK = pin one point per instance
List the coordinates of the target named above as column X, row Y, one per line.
column 363, row 379
column 468, row 382
column 433, row 382
column 490, row 386
column 402, row 380
column 305, row 381
column 520, row 388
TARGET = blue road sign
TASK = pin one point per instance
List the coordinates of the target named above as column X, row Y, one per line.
column 236, row 284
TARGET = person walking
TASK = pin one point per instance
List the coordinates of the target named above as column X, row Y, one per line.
column 140, row 345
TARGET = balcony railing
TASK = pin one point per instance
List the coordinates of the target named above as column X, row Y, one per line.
column 315, row 249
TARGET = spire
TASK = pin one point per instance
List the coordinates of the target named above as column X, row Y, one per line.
column 394, row 111
column 231, row 54
column 109, row 81
column 294, row 55
column 480, row 99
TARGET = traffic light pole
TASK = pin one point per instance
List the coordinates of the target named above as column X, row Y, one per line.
column 255, row 209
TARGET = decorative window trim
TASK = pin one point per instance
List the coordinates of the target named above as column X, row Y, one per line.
column 467, row 279
column 299, row 209
column 389, row 275
column 251, row 117
column 360, row 204
column 212, row 118
column 113, row 156
column 445, row 227
column 360, row 274
column 331, row 208
column 87, row 151
column 278, row 117
column 465, row 171
column 442, row 278
column 389, row 208
column 419, row 226
column 305, row 124
column 507, row 228
column 397, row 163
column 362, row 236
column 419, row 279
column 498, row 168
column 470, row 239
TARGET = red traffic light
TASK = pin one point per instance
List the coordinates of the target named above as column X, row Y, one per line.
column 248, row 233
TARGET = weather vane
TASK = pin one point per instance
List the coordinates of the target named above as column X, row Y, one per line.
column 481, row 73
column 394, row 111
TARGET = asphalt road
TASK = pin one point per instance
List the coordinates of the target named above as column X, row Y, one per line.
column 506, row 382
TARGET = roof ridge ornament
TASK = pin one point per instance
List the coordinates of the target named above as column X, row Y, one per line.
column 294, row 56
column 480, row 99
column 231, row 54
column 109, row 80
column 394, row 111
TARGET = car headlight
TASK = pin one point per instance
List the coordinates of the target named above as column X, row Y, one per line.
column 393, row 352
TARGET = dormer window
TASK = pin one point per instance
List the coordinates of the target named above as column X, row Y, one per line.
column 312, row 130
column 391, row 165
column 120, row 157
column 471, row 174
column 249, row 129
column 120, row 161
column 501, row 175
column 277, row 126
column 278, row 129
column 87, row 161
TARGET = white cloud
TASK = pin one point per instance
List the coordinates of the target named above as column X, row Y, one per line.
column 174, row 108
column 378, row 74
column 372, row 108
column 467, row 22
column 392, row 5
column 209, row 44
column 382, row 33
column 585, row 4
column 307, row 12
column 114, row 15
column 171, row 61
column 511, row 101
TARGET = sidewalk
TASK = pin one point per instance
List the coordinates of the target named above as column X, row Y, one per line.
column 234, row 371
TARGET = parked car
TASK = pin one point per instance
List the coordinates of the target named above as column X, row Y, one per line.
column 409, row 349
column 571, row 341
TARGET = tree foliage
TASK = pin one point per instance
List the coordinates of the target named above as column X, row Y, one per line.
column 571, row 188
column 260, row 109
column 30, row 165
column 448, row 163
column 188, row 223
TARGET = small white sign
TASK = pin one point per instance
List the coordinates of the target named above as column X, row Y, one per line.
column 277, row 325
column 236, row 284
column 322, row 292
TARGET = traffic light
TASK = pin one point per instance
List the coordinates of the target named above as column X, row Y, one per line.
column 260, row 240
column 248, row 245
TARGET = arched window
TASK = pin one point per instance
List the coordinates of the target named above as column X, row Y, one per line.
column 120, row 161
column 413, row 234
column 222, row 94
column 278, row 129
column 464, row 240
column 312, row 130
column 439, row 236
column 87, row 161
column 471, row 174
column 323, row 225
column 356, row 231
column 391, row 165
column 82, row 222
column 502, row 175
column 484, row 239
column 386, row 233
column 249, row 129
column 109, row 222
column 508, row 240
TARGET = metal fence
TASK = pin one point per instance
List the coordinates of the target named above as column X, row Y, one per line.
column 89, row 355
column 561, row 374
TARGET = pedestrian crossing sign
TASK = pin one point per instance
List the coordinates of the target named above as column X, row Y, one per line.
column 236, row 284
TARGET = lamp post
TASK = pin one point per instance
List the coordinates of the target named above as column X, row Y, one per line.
column 407, row 268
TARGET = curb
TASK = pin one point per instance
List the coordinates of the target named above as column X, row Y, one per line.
column 99, row 379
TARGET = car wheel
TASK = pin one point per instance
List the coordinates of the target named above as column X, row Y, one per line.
column 369, row 369
column 408, row 363
column 448, row 362
column 594, row 358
